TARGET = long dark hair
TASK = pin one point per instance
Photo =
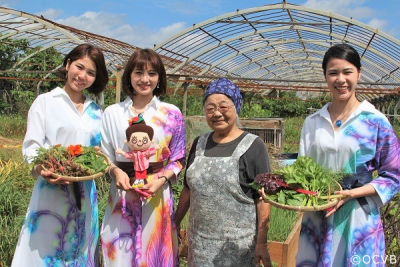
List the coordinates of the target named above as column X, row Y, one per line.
column 96, row 55
column 139, row 60
column 342, row 51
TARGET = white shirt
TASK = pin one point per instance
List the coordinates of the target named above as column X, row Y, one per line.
column 365, row 141
column 53, row 119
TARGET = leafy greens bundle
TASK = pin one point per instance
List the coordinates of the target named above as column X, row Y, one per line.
column 304, row 183
column 74, row 160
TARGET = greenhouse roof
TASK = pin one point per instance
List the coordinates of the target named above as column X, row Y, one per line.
column 267, row 48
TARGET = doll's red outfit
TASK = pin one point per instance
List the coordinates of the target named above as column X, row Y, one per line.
column 140, row 161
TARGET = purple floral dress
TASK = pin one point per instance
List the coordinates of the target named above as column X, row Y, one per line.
column 365, row 142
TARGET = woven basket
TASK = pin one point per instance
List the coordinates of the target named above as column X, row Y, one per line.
column 331, row 202
column 84, row 178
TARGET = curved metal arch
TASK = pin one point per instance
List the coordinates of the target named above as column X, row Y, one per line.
column 284, row 6
column 36, row 19
column 365, row 78
column 278, row 62
column 256, row 60
column 232, row 55
column 214, row 46
column 43, row 34
column 38, row 51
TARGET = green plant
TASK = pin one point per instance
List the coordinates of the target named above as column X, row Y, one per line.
column 74, row 160
column 15, row 190
column 278, row 231
column 390, row 214
column 12, row 126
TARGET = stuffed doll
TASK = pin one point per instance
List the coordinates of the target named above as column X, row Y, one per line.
column 139, row 139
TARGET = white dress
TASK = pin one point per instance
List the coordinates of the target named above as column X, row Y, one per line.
column 136, row 233
column 55, row 232
column 364, row 143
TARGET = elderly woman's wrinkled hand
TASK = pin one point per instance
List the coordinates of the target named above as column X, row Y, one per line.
column 262, row 255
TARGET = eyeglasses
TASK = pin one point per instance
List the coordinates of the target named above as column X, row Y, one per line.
column 222, row 109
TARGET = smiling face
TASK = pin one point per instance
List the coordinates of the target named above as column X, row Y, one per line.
column 342, row 77
column 144, row 81
column 220, row 122
column 139, row 141
column 81, row 74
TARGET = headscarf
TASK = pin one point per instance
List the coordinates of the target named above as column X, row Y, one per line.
column 226, row 87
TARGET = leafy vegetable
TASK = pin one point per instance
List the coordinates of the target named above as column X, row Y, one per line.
column 304, row 183
column 74, row 160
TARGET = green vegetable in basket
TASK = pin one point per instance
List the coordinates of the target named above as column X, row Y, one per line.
column 301, row 184
column 74, row 160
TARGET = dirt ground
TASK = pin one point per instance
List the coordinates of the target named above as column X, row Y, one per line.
column 5, row 142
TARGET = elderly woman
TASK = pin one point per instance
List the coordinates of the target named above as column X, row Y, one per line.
column 228, row 223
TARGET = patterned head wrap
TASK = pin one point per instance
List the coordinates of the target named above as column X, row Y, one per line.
column 226, row 87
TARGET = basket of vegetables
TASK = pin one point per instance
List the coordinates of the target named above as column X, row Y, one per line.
column 74, row 163
column 302, row 186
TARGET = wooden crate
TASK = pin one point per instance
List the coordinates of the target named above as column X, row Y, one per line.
column 268, row 129
column 284, row 253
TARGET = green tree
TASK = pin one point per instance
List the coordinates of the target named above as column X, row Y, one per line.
column 18, row 90
column 10, row 51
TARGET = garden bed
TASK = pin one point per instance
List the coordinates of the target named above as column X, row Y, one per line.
column 283, row 237
column 284, row 253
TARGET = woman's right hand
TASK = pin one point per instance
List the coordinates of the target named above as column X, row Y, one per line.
column 46, row 174
column 122, row 180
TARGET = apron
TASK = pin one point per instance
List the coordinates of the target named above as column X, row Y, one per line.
column 223, row 221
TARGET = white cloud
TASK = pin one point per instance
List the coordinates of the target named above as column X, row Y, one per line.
column 378, row 23
column 382, row 25
column 347, row 8
column 353, row 9
column 193, row 7
column 50, row 14
column 114, row 26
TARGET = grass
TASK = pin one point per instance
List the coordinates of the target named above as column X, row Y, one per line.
column 15, row 190
column 13, row 126
column 279, row 231
column 16, row 186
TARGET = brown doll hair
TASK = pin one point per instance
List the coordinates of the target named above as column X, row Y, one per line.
column 140, row 126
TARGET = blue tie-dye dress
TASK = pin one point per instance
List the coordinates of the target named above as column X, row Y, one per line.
column 55, row 232
column 365, row 142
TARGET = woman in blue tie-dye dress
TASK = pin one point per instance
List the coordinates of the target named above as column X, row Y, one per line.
column 354, row 137
column 61, row 227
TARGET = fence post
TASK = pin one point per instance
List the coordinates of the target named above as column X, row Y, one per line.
column 185, row 89
column 118, row 83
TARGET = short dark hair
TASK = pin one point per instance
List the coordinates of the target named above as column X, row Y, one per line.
column 96, row 55
column 342, row 51
column 139, row 60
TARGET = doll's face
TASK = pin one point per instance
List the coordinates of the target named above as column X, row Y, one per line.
column 139, row 141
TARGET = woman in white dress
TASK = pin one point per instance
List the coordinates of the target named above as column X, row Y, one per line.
column 351, row 136
column 61, row 227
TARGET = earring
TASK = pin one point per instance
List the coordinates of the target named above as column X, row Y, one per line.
column 66, row 75
column 158, row 85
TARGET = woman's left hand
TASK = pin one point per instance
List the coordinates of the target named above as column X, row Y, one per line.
column 153, row 186
column 348, row 194
column 262, row 255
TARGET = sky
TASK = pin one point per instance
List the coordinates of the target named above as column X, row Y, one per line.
column 144, row 23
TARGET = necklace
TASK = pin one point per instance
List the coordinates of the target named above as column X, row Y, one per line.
column 139, row 113
column 338, row 122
